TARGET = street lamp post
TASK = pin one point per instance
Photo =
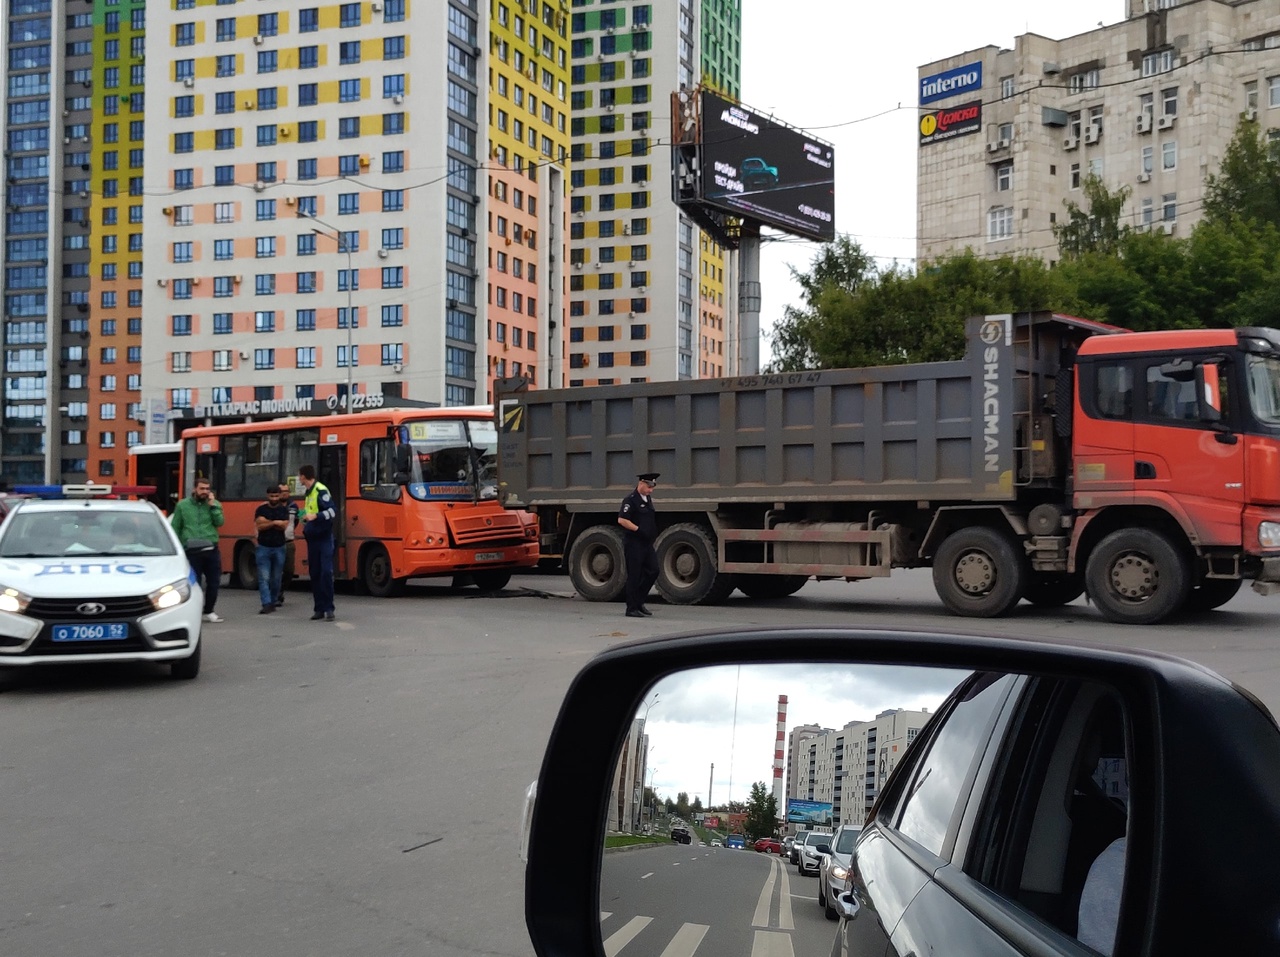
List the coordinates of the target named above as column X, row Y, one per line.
column 343, row 247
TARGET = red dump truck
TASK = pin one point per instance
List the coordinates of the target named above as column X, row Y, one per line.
column 1059, row 456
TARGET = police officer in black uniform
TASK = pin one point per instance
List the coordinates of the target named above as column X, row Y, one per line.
column 640, row 528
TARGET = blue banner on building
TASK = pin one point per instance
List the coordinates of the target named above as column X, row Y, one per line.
column 953, row 82
column 812, row 813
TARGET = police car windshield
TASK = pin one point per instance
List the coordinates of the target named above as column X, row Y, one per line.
column 81, row 533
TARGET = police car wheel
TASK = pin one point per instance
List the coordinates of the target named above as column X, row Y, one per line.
column 184, row 669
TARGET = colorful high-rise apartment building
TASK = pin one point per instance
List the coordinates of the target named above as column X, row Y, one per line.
column 525, row 183
column 721, row 32
column 313, row 206
column 73, row 114
column 638, row 283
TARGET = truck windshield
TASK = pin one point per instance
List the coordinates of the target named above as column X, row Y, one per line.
column 453, row 458
column 1264, row 388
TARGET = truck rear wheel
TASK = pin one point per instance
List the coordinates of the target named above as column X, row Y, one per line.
column 1137, row 576
column 597, row 564
column 770, row 587
column 979, row 572
column 687, row 572
column 1213, row 593
column 1053, row 590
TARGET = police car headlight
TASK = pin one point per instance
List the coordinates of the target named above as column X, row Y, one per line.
column 171, row 595
column 839, row 873
column 13, row 600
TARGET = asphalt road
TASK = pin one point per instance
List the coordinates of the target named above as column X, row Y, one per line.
column 356, row 787
column 682, row 900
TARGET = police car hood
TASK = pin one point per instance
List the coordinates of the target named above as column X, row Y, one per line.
column 93, row 576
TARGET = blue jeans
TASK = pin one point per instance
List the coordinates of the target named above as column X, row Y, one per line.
column 320, row 571
column 270, row 572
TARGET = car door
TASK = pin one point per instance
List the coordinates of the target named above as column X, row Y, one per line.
column 1037, row 864
column 913, row 827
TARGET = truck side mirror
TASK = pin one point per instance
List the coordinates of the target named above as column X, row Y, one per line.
column 1209, row 392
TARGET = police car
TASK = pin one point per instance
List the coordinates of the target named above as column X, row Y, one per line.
column 87, row 578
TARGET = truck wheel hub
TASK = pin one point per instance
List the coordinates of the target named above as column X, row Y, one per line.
column 686, row 566
column 601, row 565
column 1135, row 577
column 975, row 573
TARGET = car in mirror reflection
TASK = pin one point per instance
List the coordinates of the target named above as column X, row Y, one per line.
column 1051, row 801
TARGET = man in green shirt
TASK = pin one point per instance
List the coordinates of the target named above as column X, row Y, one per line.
column 199, row 516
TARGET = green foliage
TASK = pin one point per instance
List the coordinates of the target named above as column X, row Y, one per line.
column 895, row 316
column 1096, row 229
column 1247, row 186
column 762, row 813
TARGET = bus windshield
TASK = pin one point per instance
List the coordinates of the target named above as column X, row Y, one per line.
column 453, row 456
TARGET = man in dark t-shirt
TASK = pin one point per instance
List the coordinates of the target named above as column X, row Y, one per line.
column 271, row 520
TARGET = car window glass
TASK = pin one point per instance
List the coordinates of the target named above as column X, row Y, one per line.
column 936, row 789
column 847, row 840
column 1066, row 800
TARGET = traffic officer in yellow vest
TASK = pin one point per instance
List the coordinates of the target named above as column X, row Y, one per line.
column 318, row 516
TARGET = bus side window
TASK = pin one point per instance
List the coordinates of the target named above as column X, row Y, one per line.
column 377, row 470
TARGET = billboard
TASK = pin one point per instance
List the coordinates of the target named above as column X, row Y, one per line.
column 812, row 813
column 950, row 122
column 758, row 169
column 953, row 82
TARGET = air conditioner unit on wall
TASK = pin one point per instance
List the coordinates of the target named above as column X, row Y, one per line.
column 1071, row 142
column 1144, row 177
column 1165, row 122
column 1092, row 134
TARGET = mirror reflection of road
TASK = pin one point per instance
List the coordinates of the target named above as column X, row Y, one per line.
column 690, row 901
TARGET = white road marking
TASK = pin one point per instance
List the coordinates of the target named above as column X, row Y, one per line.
column 626, row 935
column 606, row 914
column 761, row 916
column 770, row 944
column 644, row 876
column 686, row 940
column 785, row 920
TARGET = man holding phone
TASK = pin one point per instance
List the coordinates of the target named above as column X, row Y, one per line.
column 199, row 516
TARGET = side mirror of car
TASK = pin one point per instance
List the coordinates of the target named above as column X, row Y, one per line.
column 1179, row 725
column 823, row 848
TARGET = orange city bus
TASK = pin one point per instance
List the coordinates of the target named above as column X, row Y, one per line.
column 416, row 491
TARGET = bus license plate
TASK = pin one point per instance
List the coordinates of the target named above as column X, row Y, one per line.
column 489, row 556
column 102, row 631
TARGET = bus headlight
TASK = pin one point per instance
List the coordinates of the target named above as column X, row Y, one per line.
column 1269, row 534
column 171, row 595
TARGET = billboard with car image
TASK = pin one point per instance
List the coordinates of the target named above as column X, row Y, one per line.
column 763, row 170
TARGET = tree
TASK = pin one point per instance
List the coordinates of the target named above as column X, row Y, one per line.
column 682, row 804
column 1247, row 185
column 839, row 266
column 762, row 813
column 1096, row 229
column 696, row 807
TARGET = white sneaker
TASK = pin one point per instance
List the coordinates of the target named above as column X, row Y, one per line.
column 214, row 617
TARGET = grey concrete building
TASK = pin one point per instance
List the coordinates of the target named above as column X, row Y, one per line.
column 1149, row 103
column 847, row 767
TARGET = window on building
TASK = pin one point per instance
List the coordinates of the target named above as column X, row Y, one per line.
column 1169, row 155
column 1000, row 224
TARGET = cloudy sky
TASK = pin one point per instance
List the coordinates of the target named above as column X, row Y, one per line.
column 727, row 716
column 847, row 72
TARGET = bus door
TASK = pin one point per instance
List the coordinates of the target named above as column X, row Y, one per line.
column 332, row 471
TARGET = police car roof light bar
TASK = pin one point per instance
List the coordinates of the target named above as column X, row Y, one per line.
column 84, row 491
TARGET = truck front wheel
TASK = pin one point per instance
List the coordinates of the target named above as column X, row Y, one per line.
column 979, row 572
column 687, row 571
column 597, row 564
column 1137, row 576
